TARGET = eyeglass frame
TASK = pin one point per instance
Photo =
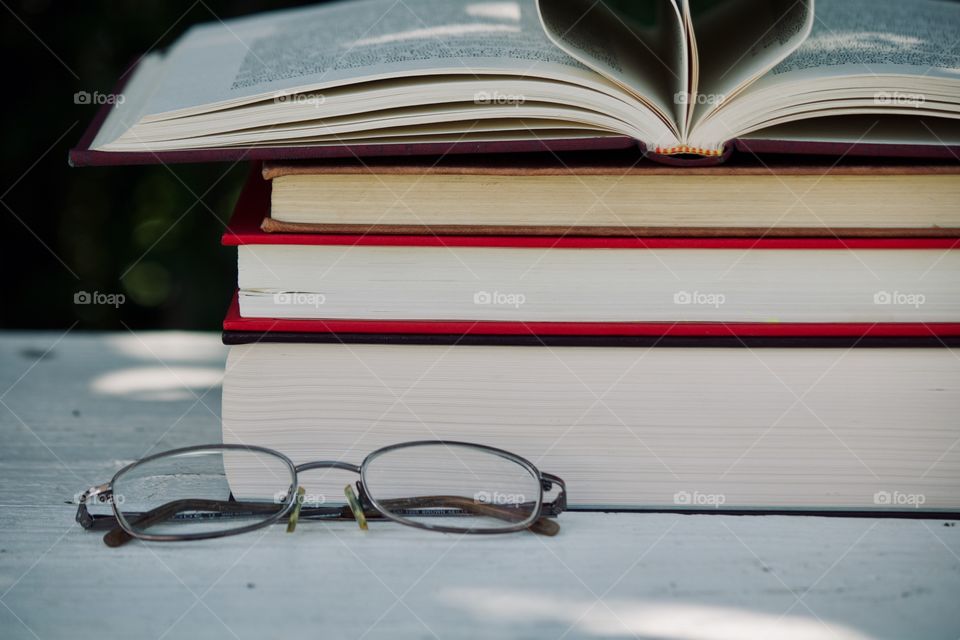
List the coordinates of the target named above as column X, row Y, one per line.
column 103, row 492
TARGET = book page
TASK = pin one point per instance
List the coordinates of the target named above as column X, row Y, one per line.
column 230, row 63
column 639, row 44
column 885, row 57
column 739, row 40
column 850, row 129
column 872, row 37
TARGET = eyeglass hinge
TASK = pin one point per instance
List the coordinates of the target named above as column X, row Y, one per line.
column 100, row 493
column 548, row 481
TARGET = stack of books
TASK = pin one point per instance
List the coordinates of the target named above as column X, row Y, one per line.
column 451, row 233
column 649, row 372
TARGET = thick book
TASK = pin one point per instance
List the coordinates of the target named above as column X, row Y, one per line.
column 832, row 430
column 612, row 194
column 679, row 80
column 578, row 280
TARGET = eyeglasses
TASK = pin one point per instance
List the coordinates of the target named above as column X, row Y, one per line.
column 210, row 491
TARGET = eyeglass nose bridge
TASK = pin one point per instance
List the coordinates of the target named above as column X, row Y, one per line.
column 328, row 464
column 364, row 500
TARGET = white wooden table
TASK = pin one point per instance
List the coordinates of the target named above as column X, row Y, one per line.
column 75, row 408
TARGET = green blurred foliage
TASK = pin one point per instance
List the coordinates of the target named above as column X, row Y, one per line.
column 151, row 233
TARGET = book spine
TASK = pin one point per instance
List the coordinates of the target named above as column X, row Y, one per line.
column 687, row 156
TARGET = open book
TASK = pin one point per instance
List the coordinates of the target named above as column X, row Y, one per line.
column 681, row 77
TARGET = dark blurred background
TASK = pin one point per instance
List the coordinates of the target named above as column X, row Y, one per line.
column 151, row 233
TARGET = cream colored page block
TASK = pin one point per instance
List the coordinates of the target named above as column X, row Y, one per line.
column 624, row 426
column 813, row 201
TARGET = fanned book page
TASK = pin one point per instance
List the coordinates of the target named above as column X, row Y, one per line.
column 863, row 58
column 680, row 77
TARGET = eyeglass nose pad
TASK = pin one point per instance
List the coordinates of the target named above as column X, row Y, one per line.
column 355, row 507
column 295, row 514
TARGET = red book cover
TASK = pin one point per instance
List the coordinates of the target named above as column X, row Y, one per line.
column 935, row 334
column 253, row 206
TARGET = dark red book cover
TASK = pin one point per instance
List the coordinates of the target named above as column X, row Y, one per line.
column 934, row 333
column 253, row 206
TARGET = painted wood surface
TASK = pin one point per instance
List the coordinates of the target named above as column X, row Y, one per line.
column 74, row 408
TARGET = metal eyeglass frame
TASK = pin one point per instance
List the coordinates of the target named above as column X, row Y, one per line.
column 121, row 531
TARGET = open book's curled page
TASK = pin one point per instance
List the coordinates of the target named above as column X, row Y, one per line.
column 679, row 76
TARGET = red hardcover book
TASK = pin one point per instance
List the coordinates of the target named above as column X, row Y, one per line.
column 240, row 330
column 245, row 230
column 253, row 208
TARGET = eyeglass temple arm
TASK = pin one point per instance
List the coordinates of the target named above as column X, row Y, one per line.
column 118, row 536
column 542, row 525
column 548, row 480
